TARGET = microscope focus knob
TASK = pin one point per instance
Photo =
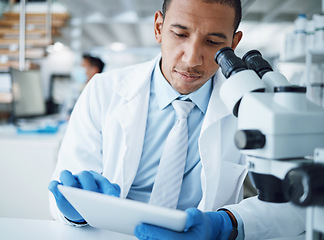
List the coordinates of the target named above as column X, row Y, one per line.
column 304, row 186
column 249, row 139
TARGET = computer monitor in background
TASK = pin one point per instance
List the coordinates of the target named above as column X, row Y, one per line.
column 28, row 100
column 60, row 88
column 5, row 87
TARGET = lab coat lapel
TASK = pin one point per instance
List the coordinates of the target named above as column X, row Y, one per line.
column 132, row 117
column 210, row 145
column 216, row 108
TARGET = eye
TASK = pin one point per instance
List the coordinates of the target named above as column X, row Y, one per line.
column 179, row 34
column 214, row 43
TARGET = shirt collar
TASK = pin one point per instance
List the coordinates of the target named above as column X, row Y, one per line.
column 165, row 93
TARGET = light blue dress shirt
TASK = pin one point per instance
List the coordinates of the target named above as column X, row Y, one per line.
column 160, row 120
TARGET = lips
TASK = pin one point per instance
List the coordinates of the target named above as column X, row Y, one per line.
column 187, row 76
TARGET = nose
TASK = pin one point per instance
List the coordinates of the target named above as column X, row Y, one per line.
column 192, row 54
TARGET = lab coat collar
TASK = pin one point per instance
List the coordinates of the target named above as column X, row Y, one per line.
column 211, row 132
column 216, row 107
column 132, row 83
column 165, row 93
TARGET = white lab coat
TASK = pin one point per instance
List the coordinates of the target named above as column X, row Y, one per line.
column 106, row 134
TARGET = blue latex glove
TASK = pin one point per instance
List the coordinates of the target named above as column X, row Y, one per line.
column 199, row 226
column 88, row 180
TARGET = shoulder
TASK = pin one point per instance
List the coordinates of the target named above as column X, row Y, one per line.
column 140, row 68
column 126, row 82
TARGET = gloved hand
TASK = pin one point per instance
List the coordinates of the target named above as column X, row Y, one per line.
column 88, row 180
column 199, row 226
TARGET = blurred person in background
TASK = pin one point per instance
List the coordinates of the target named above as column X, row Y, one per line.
column 92, row 65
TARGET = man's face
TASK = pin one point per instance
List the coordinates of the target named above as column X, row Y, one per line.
column 191, row 34
column 89, row 69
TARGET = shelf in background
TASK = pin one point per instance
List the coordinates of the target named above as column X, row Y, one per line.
column 317, row 85
column 317, row 57
column 295, row 59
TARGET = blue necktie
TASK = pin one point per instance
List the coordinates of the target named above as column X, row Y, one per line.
column 168, row 180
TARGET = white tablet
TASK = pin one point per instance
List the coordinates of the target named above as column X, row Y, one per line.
column 121, row 215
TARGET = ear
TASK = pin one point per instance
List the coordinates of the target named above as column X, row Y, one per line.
column 237, row 38
column 158, row 23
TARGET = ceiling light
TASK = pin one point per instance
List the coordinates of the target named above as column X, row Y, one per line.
column 117, row 46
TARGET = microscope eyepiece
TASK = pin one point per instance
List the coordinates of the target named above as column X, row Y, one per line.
column 254, row 60
column 229, row 62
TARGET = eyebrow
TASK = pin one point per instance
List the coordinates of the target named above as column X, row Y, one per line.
column 220, row 35
column 179, row 26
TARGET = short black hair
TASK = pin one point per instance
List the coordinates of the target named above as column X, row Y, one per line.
column 236, row 4
column 94, row 61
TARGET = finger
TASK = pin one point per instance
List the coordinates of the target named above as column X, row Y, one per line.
column 117, row 188
column 194, row 217
column 68, row 179
column 87, row 181
column 150, row 232
column 105, row 186
column 54, row 190
column 65, row 207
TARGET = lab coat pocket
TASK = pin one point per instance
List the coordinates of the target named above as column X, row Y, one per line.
column 231, row 180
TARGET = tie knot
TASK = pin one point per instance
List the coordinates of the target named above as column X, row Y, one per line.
column 182, row 108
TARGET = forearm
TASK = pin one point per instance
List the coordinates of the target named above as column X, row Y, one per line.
column 270, row 220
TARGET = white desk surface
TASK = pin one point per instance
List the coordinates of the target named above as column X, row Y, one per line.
column 31, row 229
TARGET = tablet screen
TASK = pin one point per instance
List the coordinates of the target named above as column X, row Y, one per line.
column 121, row 215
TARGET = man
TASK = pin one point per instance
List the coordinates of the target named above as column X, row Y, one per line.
column 122, row 120
column 92, row 65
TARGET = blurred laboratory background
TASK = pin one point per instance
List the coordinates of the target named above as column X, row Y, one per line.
column 42, row 44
